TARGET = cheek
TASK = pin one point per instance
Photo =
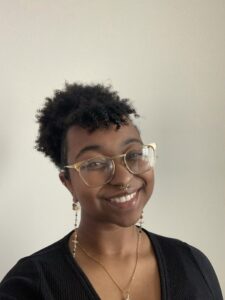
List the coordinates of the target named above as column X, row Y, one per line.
column 149, row 179
column 85, row 195
column 76, row 185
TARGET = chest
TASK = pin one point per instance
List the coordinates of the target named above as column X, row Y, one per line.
column 115, row 282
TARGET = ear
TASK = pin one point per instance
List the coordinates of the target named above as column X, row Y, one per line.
column 66, row 181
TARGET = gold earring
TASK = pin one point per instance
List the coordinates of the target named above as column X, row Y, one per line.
column 76, row 208
column 141, row 221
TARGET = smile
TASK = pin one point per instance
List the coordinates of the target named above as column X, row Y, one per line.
column 123, row 199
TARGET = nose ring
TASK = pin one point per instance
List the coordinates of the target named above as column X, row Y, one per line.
column 124, row 187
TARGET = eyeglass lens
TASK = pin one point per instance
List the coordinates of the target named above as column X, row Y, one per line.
column 97, row 171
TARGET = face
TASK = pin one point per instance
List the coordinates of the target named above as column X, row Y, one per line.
column 98, row 204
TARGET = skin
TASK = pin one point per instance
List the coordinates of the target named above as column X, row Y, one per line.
column 105, row 231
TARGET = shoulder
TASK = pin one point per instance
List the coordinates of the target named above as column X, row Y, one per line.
column 47, row 255
column 182, row 258
column 21, row 281
column 51, row 251
column 26, row 275
column 172, row 247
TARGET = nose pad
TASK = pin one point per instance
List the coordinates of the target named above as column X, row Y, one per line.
column 122, row 175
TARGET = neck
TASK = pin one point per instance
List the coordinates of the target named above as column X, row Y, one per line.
column 108, row 240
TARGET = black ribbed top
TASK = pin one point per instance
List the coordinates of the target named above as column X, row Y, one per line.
column 52, row 274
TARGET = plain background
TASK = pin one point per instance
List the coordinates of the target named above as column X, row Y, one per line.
column 168, row 57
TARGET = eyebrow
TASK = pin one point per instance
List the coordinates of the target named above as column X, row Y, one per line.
column 98, row 147
column 86, row 149
column 132, row 140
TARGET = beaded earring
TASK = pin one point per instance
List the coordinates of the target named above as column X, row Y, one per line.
column 140, row 222
column 76, row 208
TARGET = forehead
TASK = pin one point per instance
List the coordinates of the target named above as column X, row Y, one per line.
column 108, row 139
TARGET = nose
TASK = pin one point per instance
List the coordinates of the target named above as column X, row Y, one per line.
column 122, row 175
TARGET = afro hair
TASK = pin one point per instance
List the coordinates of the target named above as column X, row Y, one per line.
column 89, row 106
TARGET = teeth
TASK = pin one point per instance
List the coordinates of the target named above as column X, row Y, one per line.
column 123, row 198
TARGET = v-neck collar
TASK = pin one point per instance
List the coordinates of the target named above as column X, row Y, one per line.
column 161, row 265
column 92, row 293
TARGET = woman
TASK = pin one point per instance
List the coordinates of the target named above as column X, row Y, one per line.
column 88, row 132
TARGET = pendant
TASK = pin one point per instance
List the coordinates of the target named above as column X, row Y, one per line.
column 127, row 297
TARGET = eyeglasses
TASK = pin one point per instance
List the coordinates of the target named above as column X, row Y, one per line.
column 100, row 170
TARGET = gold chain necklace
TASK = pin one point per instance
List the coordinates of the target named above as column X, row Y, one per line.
column 125, row 293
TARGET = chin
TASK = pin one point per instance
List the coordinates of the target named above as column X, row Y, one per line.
column 128, row 222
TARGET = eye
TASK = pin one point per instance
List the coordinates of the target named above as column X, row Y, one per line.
column 134, row 154
column 96, row 164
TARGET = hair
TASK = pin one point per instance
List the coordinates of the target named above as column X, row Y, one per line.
column 89, row 106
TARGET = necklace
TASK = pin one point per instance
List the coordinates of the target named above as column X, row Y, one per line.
column 125, row 292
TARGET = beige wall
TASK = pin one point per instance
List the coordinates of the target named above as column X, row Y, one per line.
column 169, row 58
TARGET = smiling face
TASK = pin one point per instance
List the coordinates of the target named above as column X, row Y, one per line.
column 108, row 204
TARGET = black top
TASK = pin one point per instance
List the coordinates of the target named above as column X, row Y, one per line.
column 52, row 274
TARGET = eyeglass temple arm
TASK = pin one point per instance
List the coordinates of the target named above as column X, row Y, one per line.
column 152, row 145
column 74, row 166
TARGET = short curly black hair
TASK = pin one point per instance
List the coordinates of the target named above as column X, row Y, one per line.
column 91, row 107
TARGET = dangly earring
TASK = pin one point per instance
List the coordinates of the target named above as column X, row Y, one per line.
column 141, row 221
column 76, row 208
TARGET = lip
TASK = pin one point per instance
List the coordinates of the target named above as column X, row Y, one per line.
column 129, row 191
column 130, row 204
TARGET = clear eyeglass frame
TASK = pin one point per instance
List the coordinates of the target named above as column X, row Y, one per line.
column 77, row 166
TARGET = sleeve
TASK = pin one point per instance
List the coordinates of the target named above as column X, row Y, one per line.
column 208, row 272
column 21, row 282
